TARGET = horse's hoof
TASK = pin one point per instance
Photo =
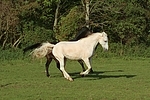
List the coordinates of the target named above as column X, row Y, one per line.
column 91, row 71
column 82, row 75
column 70, row 79
column 48, row 75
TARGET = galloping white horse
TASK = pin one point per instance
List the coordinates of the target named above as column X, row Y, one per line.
column 75, row 50
column 81, row 49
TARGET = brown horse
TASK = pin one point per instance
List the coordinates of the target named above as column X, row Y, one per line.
column 83, row 32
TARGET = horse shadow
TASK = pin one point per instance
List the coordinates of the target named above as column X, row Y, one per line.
column 99, row 75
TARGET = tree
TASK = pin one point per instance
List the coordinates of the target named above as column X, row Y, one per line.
column 37, row 19
column 86, row 7
column 125, row 21
column 10, row 34
column 56, row 13
column 69, row 24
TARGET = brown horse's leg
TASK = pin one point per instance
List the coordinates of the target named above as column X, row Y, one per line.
column 49, row 59
column 83, row 68
column 81, row 63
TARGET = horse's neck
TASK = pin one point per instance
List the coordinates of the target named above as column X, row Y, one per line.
column 90, row 41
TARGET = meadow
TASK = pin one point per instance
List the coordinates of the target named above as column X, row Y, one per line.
column 114, row 78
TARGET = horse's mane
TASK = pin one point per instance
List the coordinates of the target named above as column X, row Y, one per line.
column 83, row 32
column 89, row 35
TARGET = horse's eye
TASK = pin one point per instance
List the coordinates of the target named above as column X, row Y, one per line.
column 105, row 41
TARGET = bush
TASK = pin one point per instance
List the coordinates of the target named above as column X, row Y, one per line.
column 118, row 50
column 39, row 34
column 115, row 50
column 11, row 54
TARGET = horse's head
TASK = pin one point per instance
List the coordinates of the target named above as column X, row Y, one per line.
column 104, row 40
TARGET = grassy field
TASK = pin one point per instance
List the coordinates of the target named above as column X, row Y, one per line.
column 113, row 79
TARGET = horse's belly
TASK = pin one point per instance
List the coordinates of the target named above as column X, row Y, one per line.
column 73, row 56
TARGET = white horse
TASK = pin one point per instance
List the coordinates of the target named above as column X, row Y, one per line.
column 82, row 49
column 75, row 50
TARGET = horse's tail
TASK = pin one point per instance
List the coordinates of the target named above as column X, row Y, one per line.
column 36, row 45
column 43, row 50
column 31, row 47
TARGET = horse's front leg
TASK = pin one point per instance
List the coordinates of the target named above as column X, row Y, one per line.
column 62, row 68
column 49, row 59
column 87, row 62
column 83, row 68
column 81, row 63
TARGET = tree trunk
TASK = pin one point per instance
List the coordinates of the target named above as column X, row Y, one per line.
column 87, row 19
column 56, row 15
column 86, row 7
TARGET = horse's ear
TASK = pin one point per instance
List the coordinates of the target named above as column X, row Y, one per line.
column 104, row 34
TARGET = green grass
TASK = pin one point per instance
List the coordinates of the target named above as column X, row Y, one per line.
column 113, row 79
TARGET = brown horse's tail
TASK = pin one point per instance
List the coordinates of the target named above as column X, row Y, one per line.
column 43, row 50
column 32, row 47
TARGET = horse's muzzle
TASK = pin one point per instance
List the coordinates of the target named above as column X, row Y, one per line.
column 105, row 49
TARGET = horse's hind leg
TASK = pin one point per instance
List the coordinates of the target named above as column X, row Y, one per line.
column 47, row 65
column 57, row 64
column 62, row 68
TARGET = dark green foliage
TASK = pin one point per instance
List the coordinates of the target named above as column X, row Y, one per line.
column 69, row 24
column 127, row 22
column 38, row 34
column 123, row 51
column 11, row 54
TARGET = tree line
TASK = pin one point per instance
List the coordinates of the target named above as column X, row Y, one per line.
column 24, row 22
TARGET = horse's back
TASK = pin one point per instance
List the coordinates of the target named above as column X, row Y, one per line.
column 69, row 50
column 67, row 46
